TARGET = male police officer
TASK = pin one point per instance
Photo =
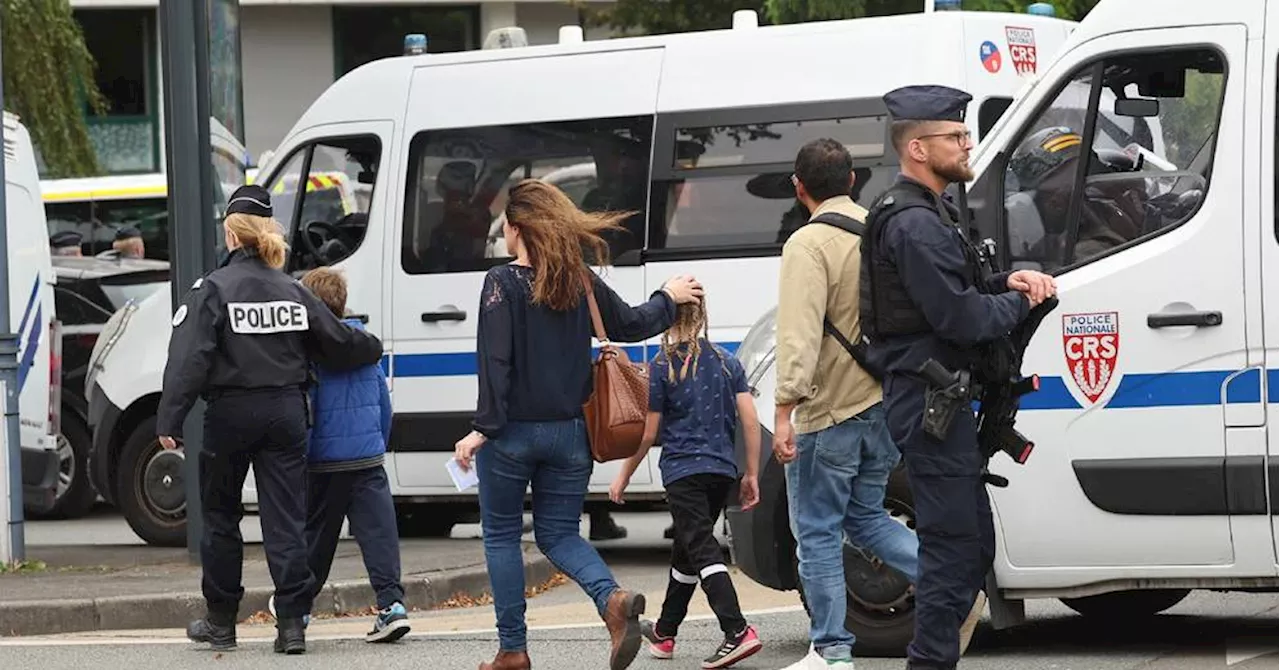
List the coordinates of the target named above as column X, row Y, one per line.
column 924, row 299
column 243, row 338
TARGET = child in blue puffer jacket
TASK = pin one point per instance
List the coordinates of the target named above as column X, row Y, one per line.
column 346, row 479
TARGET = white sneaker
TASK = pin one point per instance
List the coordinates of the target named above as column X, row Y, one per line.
column 971, row 622
column 814, row 661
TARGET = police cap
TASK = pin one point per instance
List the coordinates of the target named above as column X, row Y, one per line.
column 128, row 232
column 65, row 238
column 250, row 199
column 927, row 103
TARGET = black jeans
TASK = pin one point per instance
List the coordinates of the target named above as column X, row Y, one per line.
column 364, row 497
column 266, row 429
column 696, row 502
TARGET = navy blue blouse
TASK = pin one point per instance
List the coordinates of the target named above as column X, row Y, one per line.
column 535, row 362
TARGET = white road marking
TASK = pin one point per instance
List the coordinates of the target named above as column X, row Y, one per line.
column 108, row 639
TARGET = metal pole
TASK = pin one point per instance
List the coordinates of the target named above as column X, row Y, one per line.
column 13, row 545
column 187, row 167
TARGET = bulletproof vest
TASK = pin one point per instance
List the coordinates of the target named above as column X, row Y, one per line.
column 886, row 309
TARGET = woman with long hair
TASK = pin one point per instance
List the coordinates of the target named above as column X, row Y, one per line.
column 534, row 352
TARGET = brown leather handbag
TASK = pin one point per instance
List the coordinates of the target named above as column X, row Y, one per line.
column 615, row 413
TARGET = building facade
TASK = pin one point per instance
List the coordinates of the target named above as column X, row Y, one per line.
column 289, row 53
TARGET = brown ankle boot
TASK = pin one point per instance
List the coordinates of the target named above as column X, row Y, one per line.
column 622, row 618
column 508, row 660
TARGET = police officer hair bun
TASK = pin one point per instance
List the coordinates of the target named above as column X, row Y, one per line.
column 250, row 199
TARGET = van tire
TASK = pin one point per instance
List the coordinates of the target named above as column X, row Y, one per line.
column 1125, row 605
column 151, row 524
column 880, row 632
column 80, row 495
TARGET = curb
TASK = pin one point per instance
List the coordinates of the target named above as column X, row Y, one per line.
column 174, row 610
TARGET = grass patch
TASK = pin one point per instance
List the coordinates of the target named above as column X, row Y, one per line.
column 22, row 567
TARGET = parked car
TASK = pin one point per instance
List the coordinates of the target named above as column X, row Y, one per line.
column 88, row 291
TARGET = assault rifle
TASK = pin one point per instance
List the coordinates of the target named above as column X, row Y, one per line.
column 998, row 375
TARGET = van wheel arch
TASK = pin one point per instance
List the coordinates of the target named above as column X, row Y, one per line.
column 143, row 409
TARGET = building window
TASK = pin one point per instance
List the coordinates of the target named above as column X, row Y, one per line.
column 363, row 34
column 123, row 45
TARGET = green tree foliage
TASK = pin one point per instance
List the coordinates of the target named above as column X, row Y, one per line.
column 654, row 17
column 657, row 17
column 794, row 11
column 48, row 77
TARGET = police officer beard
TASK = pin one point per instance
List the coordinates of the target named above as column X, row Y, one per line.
column 957, row 170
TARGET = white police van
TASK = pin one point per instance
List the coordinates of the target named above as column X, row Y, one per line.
column 1155, row 425
column 32, row 318
column 697, row 132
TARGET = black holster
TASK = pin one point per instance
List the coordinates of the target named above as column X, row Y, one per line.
column 946, row 394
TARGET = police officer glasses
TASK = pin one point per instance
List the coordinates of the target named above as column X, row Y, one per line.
column 960, row 137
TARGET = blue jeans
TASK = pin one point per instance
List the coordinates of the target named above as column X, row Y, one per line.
column 835, row 486
column 554, row 457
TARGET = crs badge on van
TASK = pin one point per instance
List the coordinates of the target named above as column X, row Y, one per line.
column 1091, row 343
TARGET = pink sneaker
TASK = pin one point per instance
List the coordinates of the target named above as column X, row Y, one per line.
column 733, row 650
column 659, row 647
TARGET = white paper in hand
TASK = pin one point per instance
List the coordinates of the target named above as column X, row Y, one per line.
column 463, row 479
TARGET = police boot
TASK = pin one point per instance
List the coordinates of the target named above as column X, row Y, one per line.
column 218, row 630
column 291, row 636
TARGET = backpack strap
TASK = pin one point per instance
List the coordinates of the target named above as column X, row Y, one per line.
column 840, row 221
column 859, row 350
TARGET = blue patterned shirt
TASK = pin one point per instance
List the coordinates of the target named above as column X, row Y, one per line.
column 699, row 413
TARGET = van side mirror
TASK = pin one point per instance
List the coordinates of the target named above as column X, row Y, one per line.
column 1137, row 107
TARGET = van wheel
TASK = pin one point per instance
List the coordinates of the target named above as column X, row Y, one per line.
column 74, row 495
column 151, row 489
column 879, row 601
column 1124, row 605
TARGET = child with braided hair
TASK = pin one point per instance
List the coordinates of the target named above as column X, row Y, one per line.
column 697, row 394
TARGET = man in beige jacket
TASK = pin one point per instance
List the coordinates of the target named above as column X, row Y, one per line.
column 837, row 449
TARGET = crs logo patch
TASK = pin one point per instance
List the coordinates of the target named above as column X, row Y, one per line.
column 1022, row 48
column 1091, row 344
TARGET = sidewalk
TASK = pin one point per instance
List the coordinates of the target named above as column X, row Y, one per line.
column 87, row 588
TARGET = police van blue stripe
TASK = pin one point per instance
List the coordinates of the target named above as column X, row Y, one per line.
column 32, row 338
column 1136, row 390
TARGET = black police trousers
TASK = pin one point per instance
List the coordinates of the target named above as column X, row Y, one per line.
column 268, row 429
column 953, row 521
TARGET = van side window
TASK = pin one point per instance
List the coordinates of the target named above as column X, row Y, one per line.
column 149, row 215
column 74, row 216
column 458, row 181
column 1145, row 123
column 990, row 112
column 334, row 214
column 728, row 185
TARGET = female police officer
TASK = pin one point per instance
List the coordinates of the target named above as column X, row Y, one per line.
column 243, row 339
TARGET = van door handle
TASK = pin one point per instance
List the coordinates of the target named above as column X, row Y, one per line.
column 446, row 315
column 1174, row 319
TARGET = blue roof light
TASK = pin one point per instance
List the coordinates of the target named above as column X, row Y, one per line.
column 415, row 44
column 1041, row 9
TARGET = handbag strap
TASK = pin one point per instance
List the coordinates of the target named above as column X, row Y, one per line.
column 596, row 321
